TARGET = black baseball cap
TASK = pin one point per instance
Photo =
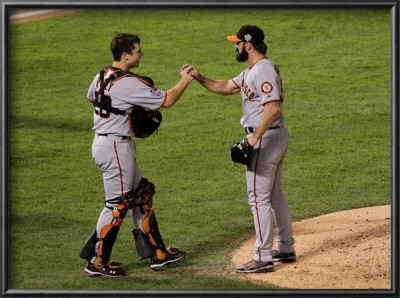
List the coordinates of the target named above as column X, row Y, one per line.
column 248, row 33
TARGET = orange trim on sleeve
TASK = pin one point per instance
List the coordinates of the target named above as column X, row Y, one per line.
column 165, row 99
column 235, row 83
column 274, row 100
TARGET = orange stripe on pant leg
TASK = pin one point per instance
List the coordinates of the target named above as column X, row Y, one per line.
column 255, row 200
column 119, row 166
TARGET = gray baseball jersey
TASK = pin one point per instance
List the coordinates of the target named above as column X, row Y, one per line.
column 259, row 84
column 124, row 92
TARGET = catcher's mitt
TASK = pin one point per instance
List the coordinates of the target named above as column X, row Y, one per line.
column 241, row 154
column 144, row 122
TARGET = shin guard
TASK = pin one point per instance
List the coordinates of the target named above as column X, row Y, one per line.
column 108, row 235
column 142, row 243
column 150, row 227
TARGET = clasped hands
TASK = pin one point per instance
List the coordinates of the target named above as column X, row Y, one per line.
column 188, row 69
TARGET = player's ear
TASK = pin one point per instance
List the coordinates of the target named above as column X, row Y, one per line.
column 248, row 45
column 123, row 56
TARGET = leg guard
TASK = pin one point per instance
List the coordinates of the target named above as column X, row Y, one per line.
column 150, row 227
column 108, row 235
column 142, row 243
column 150, row 242
column 88, row 250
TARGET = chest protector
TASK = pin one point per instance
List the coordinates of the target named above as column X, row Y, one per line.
column 143, row 122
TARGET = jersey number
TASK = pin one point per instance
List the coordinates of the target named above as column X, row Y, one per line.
column 101, row 112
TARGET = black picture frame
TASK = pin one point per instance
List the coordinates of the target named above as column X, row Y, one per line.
column 6, row 6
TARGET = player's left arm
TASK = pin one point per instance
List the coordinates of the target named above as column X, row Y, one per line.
column 175, row 93
column 269, row 86
column 270, row 114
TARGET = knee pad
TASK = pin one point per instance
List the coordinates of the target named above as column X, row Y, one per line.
column 144, row 195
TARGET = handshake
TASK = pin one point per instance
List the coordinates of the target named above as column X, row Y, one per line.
column 240, row 151
column 188, row 70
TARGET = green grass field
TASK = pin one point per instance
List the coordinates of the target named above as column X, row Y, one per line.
column 335, row 66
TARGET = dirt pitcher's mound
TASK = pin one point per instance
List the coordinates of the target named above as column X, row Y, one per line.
column 342, row 250
column 19, row 16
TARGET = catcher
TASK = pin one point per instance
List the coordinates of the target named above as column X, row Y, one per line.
column 126, row 105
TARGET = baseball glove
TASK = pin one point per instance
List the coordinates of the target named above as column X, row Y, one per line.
column 144, row 122
column 241, row 154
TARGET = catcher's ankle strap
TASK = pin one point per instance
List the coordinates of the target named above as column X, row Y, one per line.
column 114, row 264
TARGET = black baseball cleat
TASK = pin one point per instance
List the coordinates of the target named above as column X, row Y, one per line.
column 255, row 267
column 107, row 271
column 174, row 254
column 284, row 257
column 91, row 270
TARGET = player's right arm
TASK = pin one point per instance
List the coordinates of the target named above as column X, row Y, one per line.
column 224, row 87
column 90, row 96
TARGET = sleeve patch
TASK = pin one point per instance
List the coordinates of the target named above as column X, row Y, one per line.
column 266, row 87
column 155, row 92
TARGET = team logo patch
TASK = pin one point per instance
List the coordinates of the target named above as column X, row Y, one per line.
column 266, row 87
column 155, row 92
column 247, row 37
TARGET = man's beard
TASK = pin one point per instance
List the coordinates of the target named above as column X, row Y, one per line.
column 242, row 57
